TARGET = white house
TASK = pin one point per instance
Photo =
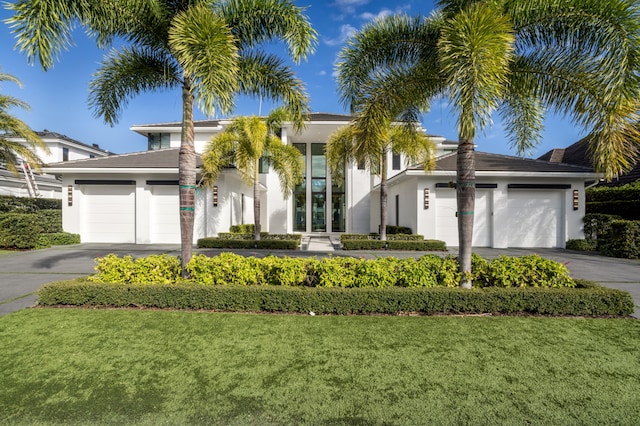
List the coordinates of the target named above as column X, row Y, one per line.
column 134, row 197
column 60, row 148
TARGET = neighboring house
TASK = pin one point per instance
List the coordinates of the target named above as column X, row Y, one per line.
column 61, row 148
column 577, row 154
column 133, row 198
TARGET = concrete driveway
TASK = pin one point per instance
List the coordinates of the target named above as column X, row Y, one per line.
column 22, row 273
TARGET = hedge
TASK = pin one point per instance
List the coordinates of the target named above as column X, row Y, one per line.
column 20, row 231
column 390, row 237
column 628, row 209
column 623, row 240
column 423, row 245
column 581, row 245
column 50, row 220
column 593, row 301
column 9, row 204
column 263, row 236
column 597, row 225
column 213, row 242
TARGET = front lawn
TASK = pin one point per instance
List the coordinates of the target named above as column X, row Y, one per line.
column 78, row 366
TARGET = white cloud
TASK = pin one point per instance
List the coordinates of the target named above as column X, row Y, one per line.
column 346, row 31
column 322, row 73
column 368, row 16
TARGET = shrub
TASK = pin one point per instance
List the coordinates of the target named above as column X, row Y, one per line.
column 20, row 231
column 527, row 271
column 398, row 230
column 369, row 244
column 243, row 229
column 623, row 240
column 213, row 242
column 50, row 220
column 334, row 272
column 581, row 245
column 59, row 239
column 11, row 204
column 287, row 271
column 597, row 225
column 154, row 269
column 582, row 302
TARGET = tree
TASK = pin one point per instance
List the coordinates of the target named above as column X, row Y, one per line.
column 207, row 49
column 361, row 143
column 575, row 57
column 244, row 143
column 12, row 152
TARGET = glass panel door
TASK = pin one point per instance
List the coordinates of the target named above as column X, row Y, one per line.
column 318, row 213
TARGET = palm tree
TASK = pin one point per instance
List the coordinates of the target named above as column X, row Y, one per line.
column 357, row 143
column 12, row 153
column 207, row 49
column 244, row 143
column 575, row 57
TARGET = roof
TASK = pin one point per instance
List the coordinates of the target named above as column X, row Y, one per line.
column 160, row 159
column 313, row 117
column 487, row 162
column 578, row 153
column 46, row 134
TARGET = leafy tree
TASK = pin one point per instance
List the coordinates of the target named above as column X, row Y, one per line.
column 243, row 144
column 361, row 143
column 519, row 58
column 13, row 152
column 207, row 49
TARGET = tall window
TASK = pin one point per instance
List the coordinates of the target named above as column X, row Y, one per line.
column 395, row 160
column 338, row 203
column 318, row 188
column 65, row 154
column 300, row 194
column 158, row 141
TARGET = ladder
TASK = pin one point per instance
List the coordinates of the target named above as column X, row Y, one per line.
column 32, row 186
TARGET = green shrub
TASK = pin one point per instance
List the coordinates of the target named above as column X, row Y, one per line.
column 364, row 245
column 627, row 209
column 50, row 220
column 396, row 300
column 226, row 269
column 422, row 272
column 11, row 204
column 390, row 237
column 20, row 231
column 287, row 271
column 334, row 272
column 581, row 245
column 398, row 230
column 153, row 269
column 243, row 229
column 597, row 226
column 59, row 239
column 527, row 271
column 623, row 240
column 213, row 242
column 370, row 244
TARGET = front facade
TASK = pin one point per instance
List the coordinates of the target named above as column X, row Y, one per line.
column 133, row 198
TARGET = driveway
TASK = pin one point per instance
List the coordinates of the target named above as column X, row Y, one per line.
column 22, row 273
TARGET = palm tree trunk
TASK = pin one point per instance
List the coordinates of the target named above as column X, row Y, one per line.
column 256, row 201
column 383, row 197
column 187, row 176
column 466, row 197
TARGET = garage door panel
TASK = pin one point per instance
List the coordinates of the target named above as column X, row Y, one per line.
column 109, row 214
column 535, row 218
column 165, row 215
column 447, row 222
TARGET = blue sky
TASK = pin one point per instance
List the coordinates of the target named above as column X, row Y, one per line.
column 58, row 97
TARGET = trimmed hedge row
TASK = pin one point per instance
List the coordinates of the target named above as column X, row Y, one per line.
column 418, row 245
column 594, row 301
column 24, row 231
column 390, row 237
column 266, row 244
column 628, row 209
column 263, row 236
column 13, row 204
column 426, row 271
column 622, row 240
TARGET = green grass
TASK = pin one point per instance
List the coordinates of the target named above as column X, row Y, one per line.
column 77, row 366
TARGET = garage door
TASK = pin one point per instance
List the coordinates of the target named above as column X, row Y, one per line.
column 165, row 215
column 447, row 222
column 535, row 218
column 109, row 214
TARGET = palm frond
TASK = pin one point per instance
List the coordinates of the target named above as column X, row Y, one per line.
column 287, row 162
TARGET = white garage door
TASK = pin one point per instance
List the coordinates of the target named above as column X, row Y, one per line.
column 447, row 222
column 535, row 218
column 165, row 215
column 109, row 214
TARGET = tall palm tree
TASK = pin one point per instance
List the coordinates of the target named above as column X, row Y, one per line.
column 575, row 57
column 356, row 143
column 244, row 143
column 12, row 153
column 207, row 49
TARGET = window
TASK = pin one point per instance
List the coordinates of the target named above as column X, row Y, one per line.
column 92, row 156
column 263, row 165
column 65, row 154
column 395, row 161
column 158, row 141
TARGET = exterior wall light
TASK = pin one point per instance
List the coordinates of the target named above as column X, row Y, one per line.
column 426, row 198
column 70, row 195
column 215, row 196
column 575, row 199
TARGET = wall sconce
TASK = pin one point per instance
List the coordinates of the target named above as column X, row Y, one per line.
column 215, row 196
column 575, row 199
column 426, row 198
column 70, row 195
